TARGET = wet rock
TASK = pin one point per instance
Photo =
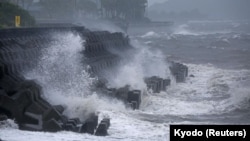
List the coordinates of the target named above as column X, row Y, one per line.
column 90, row 125
column 129, row 105
column 134, row 97
column 157, row 84
column 191, row 75
column 102, row 129
column 22, row 99
column 59, row 108
column 52, row 125
column 122, row 93
column 179, row 71
column 8, row 83
column 107, row 121
column 73, row 125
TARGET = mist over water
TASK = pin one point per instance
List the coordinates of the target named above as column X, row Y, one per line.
column 145, row 62
column 217, row 54
column 211, row 91
column 99, row 25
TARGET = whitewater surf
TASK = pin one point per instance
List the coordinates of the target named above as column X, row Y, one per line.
column 217, row 90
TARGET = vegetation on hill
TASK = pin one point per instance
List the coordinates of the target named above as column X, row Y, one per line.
column 130, row 10
column 8, row 12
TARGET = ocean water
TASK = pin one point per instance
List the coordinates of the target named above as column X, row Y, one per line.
column 216, row 52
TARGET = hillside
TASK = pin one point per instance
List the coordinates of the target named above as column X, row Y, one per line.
column 8, row 12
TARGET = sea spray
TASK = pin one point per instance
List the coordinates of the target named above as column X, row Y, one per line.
column 145, row 62
column 211, row 91
column 61, row 74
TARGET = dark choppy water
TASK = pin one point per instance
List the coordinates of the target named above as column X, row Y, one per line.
column 218, row 55
column 224, row 44
column 216, row 52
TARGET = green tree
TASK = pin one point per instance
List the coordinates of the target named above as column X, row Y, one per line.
column 130, row 10
column 26, row 4
column 8, row 12
column 67, row 9
column 58, row 9
column 86, row 7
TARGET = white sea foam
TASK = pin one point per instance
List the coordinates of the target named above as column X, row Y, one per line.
column 211, row 91
column 64, row 81
column 123, row 127
column 186, row 29
column 183, row 30
column 8, row 124
column 146, row 62
column 192, row 97
column 150, row 34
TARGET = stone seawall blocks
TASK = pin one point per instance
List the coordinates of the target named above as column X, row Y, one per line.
column 134, row 97
column 157, row 84
column 179, row 71
column 22, row 99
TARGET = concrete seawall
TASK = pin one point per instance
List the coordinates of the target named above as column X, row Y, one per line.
column 21, row 99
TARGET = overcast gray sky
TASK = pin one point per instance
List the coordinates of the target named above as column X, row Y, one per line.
column 150, row 2
column 220, row 9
